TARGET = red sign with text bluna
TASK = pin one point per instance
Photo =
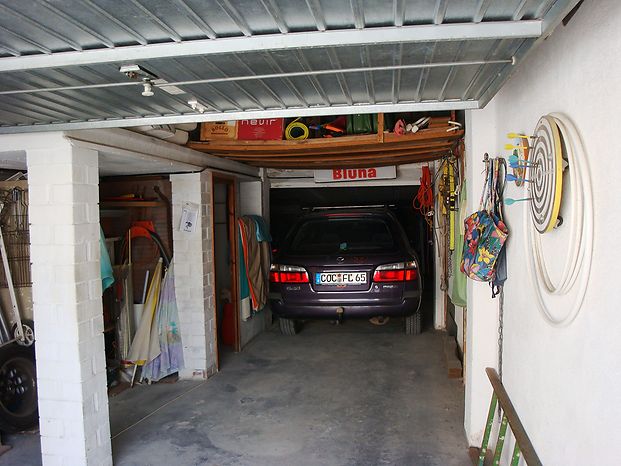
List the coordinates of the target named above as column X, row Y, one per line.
column 355, row 174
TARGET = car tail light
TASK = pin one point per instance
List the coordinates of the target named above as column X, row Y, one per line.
column 288, row 274
column 397, row 272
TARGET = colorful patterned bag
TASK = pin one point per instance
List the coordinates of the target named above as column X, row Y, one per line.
column 485, row 231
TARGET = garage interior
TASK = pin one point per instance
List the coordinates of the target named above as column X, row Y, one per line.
column 104, row 107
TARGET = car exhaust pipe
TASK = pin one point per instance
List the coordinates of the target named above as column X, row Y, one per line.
column 339, row 315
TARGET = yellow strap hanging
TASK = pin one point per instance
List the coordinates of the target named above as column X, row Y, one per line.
column 451, row 177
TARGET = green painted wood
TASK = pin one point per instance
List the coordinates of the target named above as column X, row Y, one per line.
column 488, row 429
column 517, row 454
column 502, row 433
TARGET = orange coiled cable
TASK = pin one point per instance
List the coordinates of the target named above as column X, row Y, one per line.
column 423, row 202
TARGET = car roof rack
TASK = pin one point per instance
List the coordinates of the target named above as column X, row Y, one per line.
column 372, row 206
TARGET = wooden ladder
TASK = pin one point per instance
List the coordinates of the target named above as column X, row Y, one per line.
column 523, row 446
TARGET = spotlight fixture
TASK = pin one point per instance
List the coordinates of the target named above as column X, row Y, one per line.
column 148, row 88
column 196, row 105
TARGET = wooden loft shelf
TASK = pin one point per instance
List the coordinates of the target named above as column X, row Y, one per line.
column 382, row 148
column 325, row 145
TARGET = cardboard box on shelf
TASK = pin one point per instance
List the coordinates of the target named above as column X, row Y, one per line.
column 263, row 129
column 218, row 130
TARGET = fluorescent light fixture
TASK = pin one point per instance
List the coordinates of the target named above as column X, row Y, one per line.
column 172, row 90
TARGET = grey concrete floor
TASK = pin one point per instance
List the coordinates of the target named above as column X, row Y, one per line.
column 356, row 394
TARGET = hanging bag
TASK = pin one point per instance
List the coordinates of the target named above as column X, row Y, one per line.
column 500, row 269
column 484, row 233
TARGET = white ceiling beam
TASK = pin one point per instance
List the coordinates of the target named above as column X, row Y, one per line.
column 298, row 40
column 425, row 106
column 143, row 147
column 124, row 162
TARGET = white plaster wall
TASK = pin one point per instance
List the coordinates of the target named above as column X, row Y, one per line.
column 563, row 381
column 481, row 328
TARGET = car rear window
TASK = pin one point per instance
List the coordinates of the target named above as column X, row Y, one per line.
column 342, row 235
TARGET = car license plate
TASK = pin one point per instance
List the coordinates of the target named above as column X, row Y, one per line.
column 341, row 278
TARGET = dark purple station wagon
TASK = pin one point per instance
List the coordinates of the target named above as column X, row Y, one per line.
column 339, row 264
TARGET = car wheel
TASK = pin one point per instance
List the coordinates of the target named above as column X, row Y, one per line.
column 288, row 326
column 18, row 389
column 413, row 324
column 28, row 329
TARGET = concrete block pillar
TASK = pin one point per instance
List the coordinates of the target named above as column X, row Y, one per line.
column 71, row 367
column 195, row 273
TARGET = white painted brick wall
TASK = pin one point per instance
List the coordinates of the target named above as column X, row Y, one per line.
column 71, row 369
column 194, row 275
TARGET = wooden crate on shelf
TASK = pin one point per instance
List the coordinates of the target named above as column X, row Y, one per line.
column 218, row 130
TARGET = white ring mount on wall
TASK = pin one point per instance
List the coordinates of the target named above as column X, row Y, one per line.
column 577, row 268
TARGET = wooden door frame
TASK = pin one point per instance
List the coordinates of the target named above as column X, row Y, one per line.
column 231, row 202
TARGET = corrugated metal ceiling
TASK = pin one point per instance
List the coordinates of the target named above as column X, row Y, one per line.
column 59, row 60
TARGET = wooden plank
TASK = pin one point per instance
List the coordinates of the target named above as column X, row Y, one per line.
column 373, row 148
column 345, row 163
column 286, row 144
column 473, row 453
column 528, row 450
column 379, row 162
column 424, row 134
column 438, row 122
column 342, row 150
column 345, row 158
column 453, row 364
column 21, row 184
column 380, row 127
column 329, row 144
column 336, row 157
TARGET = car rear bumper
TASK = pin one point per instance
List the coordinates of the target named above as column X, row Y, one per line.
column 406, row 307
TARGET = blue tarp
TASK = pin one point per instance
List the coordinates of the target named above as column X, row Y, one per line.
column 107, row 277
column 263, row 232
